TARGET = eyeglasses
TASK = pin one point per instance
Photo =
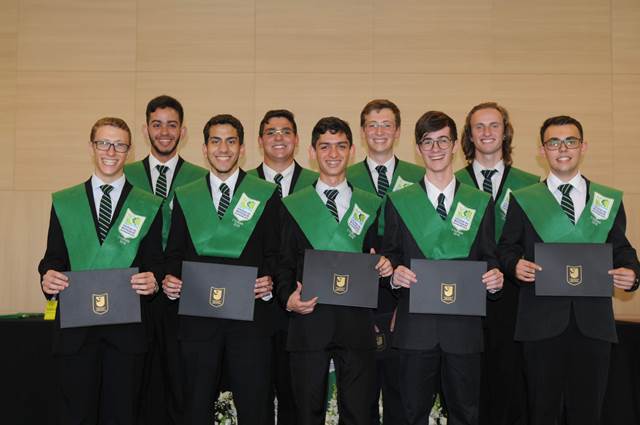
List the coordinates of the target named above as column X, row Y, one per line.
column 427, row 143
column 105, row 145
column 554, row 143
column 372, row 126
column 281, row 131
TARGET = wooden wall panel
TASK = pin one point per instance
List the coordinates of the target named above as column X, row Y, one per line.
column 8, row 35
column 533, row 98
column 77, row 35
column 24, row 220
column 7, row 127
column 330, row 36
column 313, row 96
column 625, row 28
column 202, row 96
column 626, row 108
column 54, row 117
column 550, row 36
column 196, row 35
column 436, row 37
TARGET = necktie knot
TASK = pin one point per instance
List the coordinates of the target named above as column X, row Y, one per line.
column 487, row 174
column 381, row 169
column 278, row 178
column 565, row 189
column 162, row 169
column 106, row 188
column 224, row 189
column 331, row 194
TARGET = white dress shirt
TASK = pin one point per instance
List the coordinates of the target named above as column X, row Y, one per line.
column 578, row 194
column 287, row 177
column 215, row 186
column 390, row 164
column 343, row 200
column 172, row 164
column 433, row 192
column 496, row 179
column 115, row 193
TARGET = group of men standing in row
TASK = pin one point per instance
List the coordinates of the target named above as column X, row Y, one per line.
column 528, row 361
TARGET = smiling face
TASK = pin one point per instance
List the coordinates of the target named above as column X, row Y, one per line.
column 437, row 159
column 332, row 152
column 564, row 163
column 278, row 141
column 223, row 150
column 380, row 132
column 164, row 130
column 487, row 131
column 109, row 164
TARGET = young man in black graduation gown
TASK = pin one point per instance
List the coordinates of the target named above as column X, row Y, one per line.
column 566, row 340
column 439, row 219
column 278, row 138
column 330, row 215
column 486, row 142
column 101, row 224
column 211, row 223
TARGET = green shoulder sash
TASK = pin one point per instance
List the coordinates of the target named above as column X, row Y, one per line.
column 442, row 239
column 213, row 237
column 321, row 228
column 552, row 224
column 305, row 178
column 120, row 247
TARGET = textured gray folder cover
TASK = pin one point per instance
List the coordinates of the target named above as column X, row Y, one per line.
column 576, row 270
column 448, row 287
column 99, row 297
column 340, row 278
column 217, row 290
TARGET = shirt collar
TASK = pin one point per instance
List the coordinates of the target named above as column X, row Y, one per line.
column 322, row 186
column 118, row 184
column 433, row 191
column 172, row 163
column 270, row 173
column 390, row 164
column 230, row 181
column 578, row 183
column 499, row 167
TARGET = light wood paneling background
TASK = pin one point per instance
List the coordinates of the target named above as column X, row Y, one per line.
column 64, row 64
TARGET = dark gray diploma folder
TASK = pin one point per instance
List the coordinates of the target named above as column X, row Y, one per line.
column 574, row 270
column 220, row 291
column 341, row 278
column 99, row 297
column 448, row 287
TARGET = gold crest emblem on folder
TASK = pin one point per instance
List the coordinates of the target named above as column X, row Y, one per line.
column 216, row 297
column 100, row 303
column 340, row 283
column 448, row 293
column 574, row 275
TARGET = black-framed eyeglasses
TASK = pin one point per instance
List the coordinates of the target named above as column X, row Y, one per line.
column 105, row 145
column 554, row 143
column 427, row 143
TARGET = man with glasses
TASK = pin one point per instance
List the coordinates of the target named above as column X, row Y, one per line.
column 99, row 369
column 566, row 340
column 161, row 172
column 382, row 172
column 439, row 351
column 226, row 217
column 278, row 138
column 343, row 218
column 486, row 143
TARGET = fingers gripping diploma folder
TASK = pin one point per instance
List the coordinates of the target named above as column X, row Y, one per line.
column 219, row 291
column 448, row 287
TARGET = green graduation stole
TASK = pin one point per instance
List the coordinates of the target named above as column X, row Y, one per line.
column 442, row 239
column 137, row 176
column 516, row 179
column 120, row 247
column 213, row 237
column 321, row 228
column 552, row 224
column 305, row 178
column 405, row 174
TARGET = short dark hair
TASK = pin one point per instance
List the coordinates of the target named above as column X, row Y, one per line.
column 560, row 120
column 162, row 102
column 112, row 122
column 469, row 148
column 433, row 121
column 378, row 105
column 223, row 119
column 333, row 125
column 278, row 113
